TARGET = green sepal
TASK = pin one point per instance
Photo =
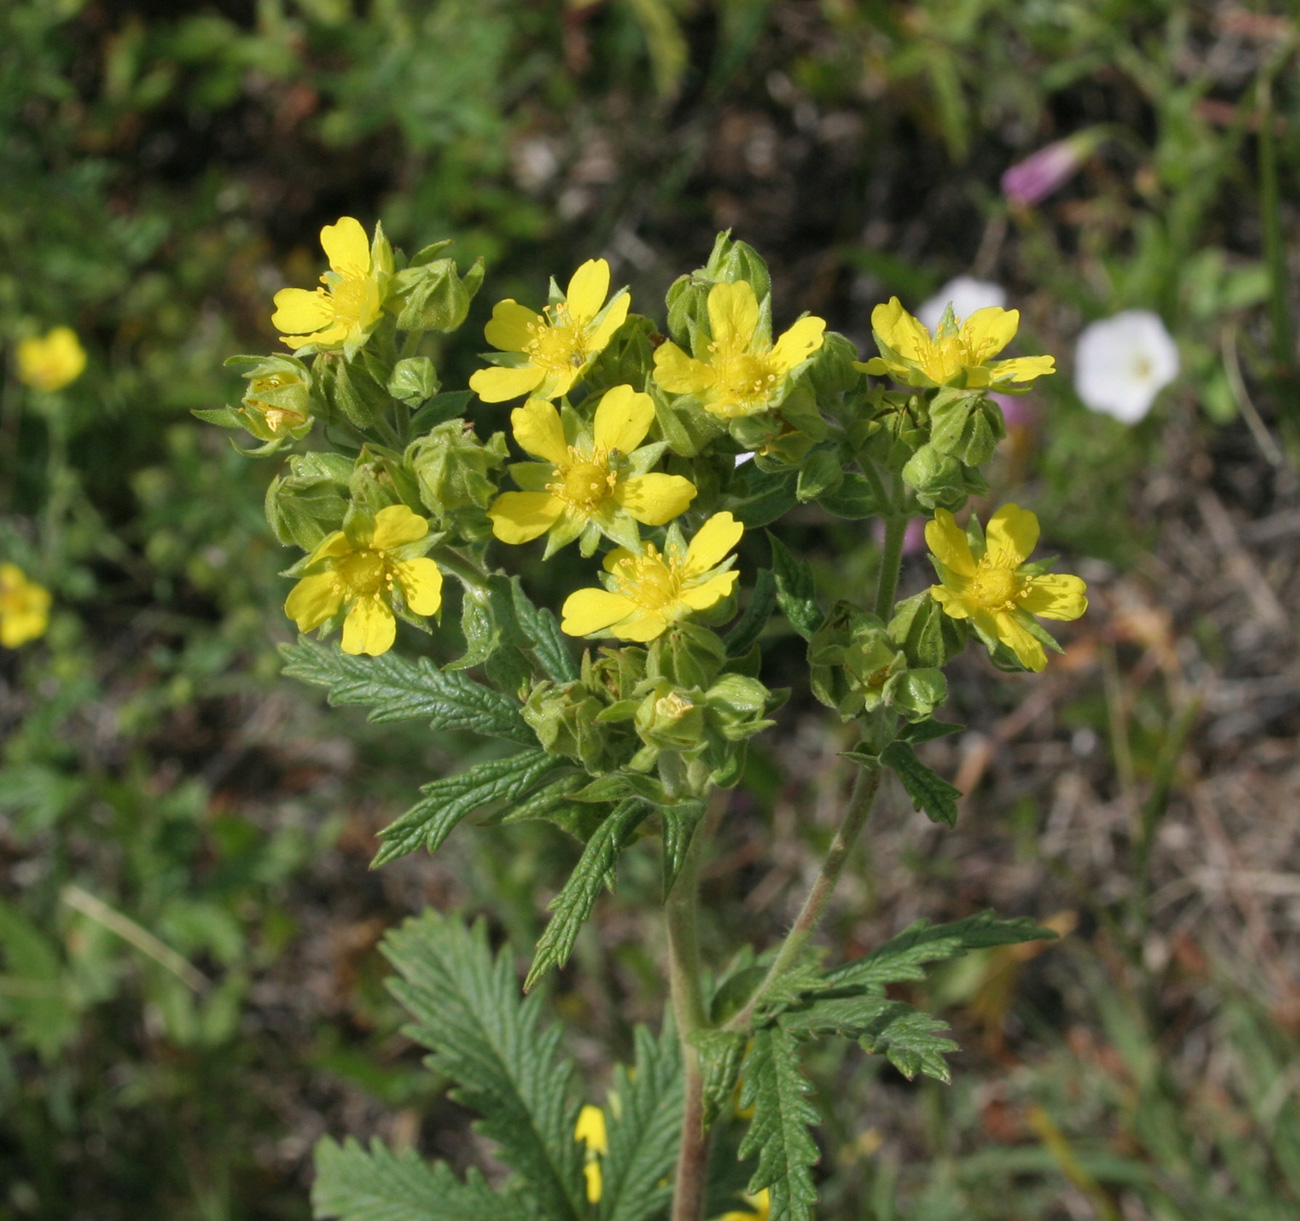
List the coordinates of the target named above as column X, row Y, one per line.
column 927, row 636
column 965, row 425
column 821, row 474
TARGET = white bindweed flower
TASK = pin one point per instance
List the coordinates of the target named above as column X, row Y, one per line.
column 966, row 294
column 1122, row 363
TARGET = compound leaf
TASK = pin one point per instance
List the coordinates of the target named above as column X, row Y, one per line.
column 445, row 802
column 928, row 791
column 395, row 689
column 778, row 1133
column 486, row 1037
column 380, row 1185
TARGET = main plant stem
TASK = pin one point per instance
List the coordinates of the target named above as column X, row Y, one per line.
column 814, row 906
column 688, row 1009
column 890, row 564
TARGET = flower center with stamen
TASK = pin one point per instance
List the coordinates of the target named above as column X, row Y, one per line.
column 363, row 574
column 743, row 378
column 585, row 482
column 672, row 706
column 648, row 580
column 349, row 298
column 557, row 343
column 994, row 588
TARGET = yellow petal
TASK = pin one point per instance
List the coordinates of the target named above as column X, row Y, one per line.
column 681, row 374
column 347, row 247
column 312, row 601
column 613, row 319
column 733, row 313
column 954, row 604
column 369, row 628
column 947, row 542
column 623, row 419
column 798, row 343
column 1055, row 596
column 494, row 385
column 987, row 331
column 299, row 310
column 421, row 583
column 396, row 525
column 641, row 626
column 591, row 1172
column 713, row 590
column 711, row 543
column 1012, row 633
column 894, row 327
column 1012, row 535
column 509, row 328
column 593, row 610
column 587, row 290
column 332, row 546
column 616, row 557
column 539, row 431
column 1022, row 369
column 520, row 517
column 654, row 500
column 591, row 1129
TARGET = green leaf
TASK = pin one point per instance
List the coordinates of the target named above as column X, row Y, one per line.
column 486, row 1038
column 901, row 958
column 778, row 1133
column 644, row 1130
column 905, row 1036
column 679, row 823
column 395, row 689
column 380, row 1185
column 721, row 1053
column 762, row 603
column 928, row 791
column 427, row 823
column 854, row 498
column 772, row 496
column 542, row 630
column 593, row 871
column 926, row 731
column 795, row 592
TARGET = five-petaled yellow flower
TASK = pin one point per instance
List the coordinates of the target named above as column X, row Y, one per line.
column 50, row 362
column 761, row 1204
column 741, row 372
column 363, row 574
column 996, row 589
column 544, row 354
column 591, row 1131
column 958, row 354
column 24, row 607
column 588, row 484
column 345, row 311
column 646, row 593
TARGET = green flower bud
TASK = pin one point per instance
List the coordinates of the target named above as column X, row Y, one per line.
column 891, row 429
column 458, row 475
column 927, row 636
column 917, row 693
column 414, row 381
column 730, row 261
column 852, row 660
column 355, row 387
column 309, row 502
column 687, row 655
column 941, row 481
column 670, row 719
column 966, row 426
column 563, row 716
column 433, row 296
column 627, row 359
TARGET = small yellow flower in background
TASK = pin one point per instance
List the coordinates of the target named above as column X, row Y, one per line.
column 647, row 592
column 591, row 1131
column 345, row 311
column 52, row 361
column 741, row 373
column 957, row 354
column 589, row 484
column 546, row 353
column 24, row 607
column 761, row 1205
column 363, row 575
column 996, row 589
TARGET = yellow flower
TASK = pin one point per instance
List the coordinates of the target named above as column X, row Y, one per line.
column 591, row 1131
column 345, row 311
column 362, row 574
column 958, row 353
column 24, row 607
column 547, row 352
column 50, row 363
column 742, row 373
column 645, row 593
column 591, row 485
column 996, row 589
column 761, row 1204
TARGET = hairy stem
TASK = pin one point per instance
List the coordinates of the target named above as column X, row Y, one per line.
column 814, row 906
column 890, row 563
column 688, row 1009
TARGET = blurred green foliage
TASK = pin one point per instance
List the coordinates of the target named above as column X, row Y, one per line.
column 164, row 169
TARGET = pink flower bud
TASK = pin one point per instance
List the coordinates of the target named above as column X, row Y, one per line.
column 1038, row 175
